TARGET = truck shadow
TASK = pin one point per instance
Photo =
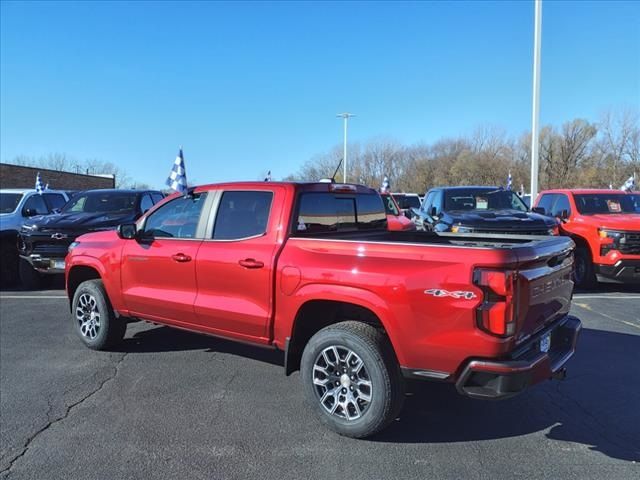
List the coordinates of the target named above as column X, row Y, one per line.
column 598, row 405
column 166, row 339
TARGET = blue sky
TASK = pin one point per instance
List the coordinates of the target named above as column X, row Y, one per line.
column 247, row 87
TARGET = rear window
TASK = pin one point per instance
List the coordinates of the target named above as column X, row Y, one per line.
column 326, row 212
column 9, row 202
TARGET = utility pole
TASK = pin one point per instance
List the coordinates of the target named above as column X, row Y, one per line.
column 346, row 117
column 535, row 126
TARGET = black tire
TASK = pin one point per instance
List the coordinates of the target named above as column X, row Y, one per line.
column 583, row 274
column 30, row 278
column 386, row 390
column 90, row 302
column 8, row 263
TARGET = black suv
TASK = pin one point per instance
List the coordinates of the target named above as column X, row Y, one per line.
column 43, row 242
column 484, row 210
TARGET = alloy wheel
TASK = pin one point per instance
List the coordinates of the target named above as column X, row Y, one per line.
column 342, row 384
column 88, row 316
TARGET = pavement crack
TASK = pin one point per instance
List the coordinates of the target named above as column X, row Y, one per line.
column 67, row 411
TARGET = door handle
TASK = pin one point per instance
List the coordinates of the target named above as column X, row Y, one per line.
column 251, row 263
column 181, row 257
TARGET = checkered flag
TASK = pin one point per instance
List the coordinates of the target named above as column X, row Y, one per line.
column 178, row 177
column 40, row 187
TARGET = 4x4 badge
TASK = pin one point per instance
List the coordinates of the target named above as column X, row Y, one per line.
column 439, row 292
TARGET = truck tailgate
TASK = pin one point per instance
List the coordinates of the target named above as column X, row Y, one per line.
column 545, row 285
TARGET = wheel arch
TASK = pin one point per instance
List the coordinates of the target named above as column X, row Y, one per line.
column 78, row 274
column 316, row 314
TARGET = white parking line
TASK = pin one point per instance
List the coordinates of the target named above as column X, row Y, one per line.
column 30, row 297
column 587, row 307
column 614, row 297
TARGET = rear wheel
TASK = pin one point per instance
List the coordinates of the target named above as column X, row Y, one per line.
column 583, row 274
column 351, row 379
column 94, row 320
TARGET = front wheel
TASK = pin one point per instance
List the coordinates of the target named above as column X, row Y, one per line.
column 94, row 320
column 30, row 278
column 351, row 379
column 583, row 273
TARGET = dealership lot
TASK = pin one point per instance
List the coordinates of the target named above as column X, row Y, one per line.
column 172, row 404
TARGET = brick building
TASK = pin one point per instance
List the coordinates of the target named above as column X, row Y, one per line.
column 17, row 176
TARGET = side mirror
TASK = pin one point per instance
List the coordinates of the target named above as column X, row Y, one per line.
column 433, row 212
column 127, row 231
column 29, row 212
column 539, row 210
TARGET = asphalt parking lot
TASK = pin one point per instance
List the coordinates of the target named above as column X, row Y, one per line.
column 171, row 404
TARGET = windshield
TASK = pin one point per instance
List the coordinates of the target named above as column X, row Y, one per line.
column 407, row 201
column 482, row 199
column 389, row 205
column 9, row 202
column 102, row 202
column 607, row 203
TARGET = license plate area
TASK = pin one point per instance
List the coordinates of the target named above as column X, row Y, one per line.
column 58, row 264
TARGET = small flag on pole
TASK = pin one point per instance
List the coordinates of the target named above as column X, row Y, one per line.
column 268, row 177
column 178, row 177
column 40, row 187
column 630, row 184
column 509, row 181
column 385, row 185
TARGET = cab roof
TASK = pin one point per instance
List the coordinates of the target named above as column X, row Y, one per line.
column 29, row 190
column 299, row 186
column 583, row 191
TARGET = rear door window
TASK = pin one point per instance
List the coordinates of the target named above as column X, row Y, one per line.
column 242, row 215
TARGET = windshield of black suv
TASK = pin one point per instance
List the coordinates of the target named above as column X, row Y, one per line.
column 102, row 202
column 9, row 202
column 607, row 203
column 482, row 199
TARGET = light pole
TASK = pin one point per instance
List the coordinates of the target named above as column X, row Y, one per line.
column 345, row 116
column 535, row 127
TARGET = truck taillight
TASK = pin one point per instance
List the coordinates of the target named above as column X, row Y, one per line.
column 497, row 312
column 342, row 187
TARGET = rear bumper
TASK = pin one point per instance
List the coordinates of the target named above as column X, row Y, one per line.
column 623, row 271
column 498, row 379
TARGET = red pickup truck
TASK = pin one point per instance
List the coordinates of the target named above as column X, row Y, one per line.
column 311, row 269
column 605, row 226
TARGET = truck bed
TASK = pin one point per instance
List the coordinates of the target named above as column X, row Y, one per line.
column 449, row 239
